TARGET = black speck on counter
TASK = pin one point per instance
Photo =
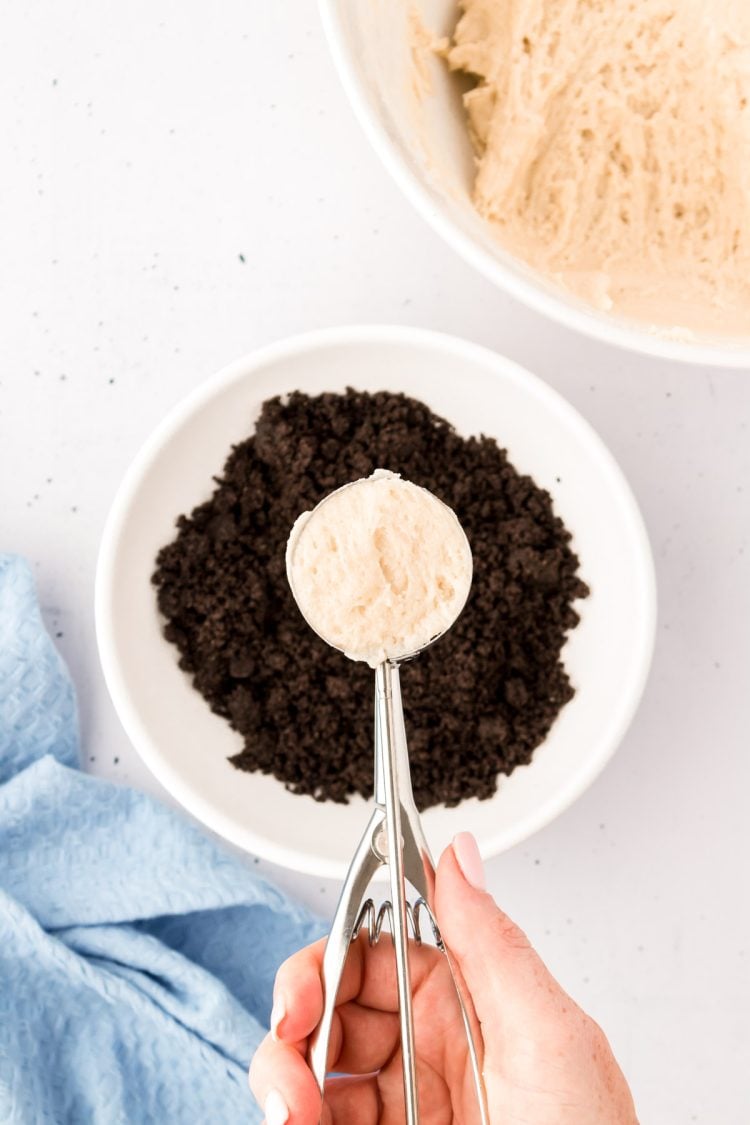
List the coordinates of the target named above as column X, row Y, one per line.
column 110, row 381
column 241, row 258
column 59, row 635
column 116, row 761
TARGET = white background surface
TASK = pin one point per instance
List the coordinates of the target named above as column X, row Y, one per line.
column 146, row 146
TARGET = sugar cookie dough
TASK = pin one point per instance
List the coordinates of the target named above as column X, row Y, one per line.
column 613, row 148
column 380, row 568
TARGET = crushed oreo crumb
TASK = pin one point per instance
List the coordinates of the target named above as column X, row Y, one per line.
column 477, row 703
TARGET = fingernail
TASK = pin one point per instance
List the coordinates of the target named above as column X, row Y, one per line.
column 277, row 1014
column 275, row 1109
column 469, row 860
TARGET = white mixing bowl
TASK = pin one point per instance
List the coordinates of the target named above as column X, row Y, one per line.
column 607, row 655
column 422, row 139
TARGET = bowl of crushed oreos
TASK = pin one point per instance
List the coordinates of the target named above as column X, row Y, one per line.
column 265, row 733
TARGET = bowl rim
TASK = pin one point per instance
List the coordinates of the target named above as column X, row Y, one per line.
column 245, row 367
column 633, row 339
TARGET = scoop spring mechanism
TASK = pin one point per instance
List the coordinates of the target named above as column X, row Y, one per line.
column 373, row 921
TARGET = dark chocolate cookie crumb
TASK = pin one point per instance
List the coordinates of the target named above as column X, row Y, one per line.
column 477, row 704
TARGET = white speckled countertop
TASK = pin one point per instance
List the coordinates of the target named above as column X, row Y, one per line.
column 178, row 189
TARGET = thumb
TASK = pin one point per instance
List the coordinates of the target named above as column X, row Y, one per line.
column 498, row 965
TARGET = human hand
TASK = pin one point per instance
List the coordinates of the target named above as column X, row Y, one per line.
column 545, row 1061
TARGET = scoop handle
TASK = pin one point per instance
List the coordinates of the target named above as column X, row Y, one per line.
column 360, row 873
column 387, row 755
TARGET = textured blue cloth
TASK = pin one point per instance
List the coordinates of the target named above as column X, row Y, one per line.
column 136, row 958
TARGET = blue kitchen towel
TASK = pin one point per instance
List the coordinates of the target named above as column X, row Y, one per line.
column 136, row 957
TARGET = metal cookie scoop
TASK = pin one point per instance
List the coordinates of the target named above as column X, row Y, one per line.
column 393, row 838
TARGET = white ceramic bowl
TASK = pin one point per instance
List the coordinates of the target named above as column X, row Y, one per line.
column 423, row 142
column 608, row 655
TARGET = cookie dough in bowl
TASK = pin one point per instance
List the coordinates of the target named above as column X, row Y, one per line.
column 613, row 149
column 621, row 209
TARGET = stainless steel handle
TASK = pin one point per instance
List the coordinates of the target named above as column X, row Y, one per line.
column 419, row 868
column 387, row 751
column 364, row 865
column 394, row 836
